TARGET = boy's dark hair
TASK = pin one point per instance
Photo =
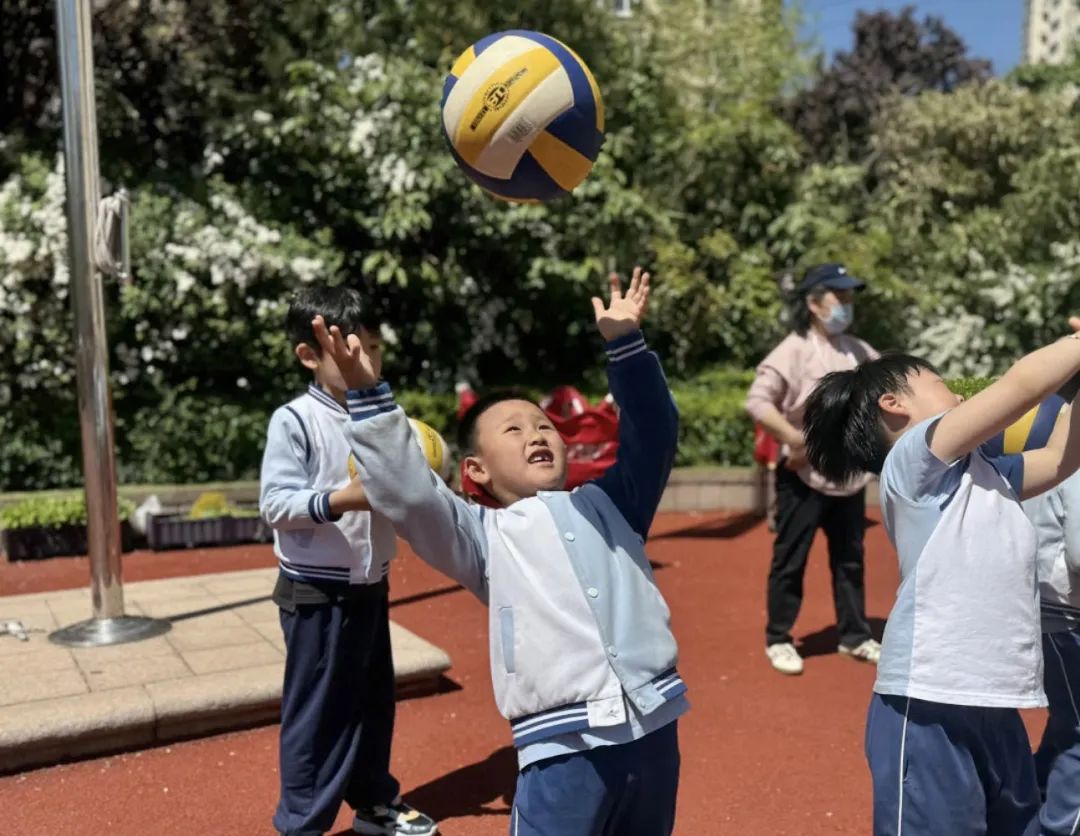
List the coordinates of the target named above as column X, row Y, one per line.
column 466, row 433
column 341, row 306
column 842, row 423
column 801, row 317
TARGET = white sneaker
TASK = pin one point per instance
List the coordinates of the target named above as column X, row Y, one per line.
column 785, row 658
column 868, row 651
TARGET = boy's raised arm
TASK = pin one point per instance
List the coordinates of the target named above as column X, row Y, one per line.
column 1049, row 466
column 648, row 419
column 441, row 528
column 1030, row 380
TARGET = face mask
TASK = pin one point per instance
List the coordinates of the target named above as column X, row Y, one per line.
column 839, row 319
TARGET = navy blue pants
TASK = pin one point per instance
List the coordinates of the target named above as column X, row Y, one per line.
column 1057, row 763
column 950, row 770
column 337, row 710
column 623, row 790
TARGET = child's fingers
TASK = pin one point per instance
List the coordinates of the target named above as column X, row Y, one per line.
column 642, row 287
column 598, row 307
column 322, row 336
column 1074, row 323
column 635, row 281
column 340, row 345
column 616, row 286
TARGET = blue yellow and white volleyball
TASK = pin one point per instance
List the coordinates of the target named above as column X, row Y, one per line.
column 523, row 116
column 1029, row 432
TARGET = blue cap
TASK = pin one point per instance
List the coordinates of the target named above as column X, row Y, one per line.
column 832, row 276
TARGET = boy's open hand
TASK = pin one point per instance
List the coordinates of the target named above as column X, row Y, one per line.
column 350, row 498
column 358, row 368
column 625, row 311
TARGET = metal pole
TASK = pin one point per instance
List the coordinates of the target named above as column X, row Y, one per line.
column 108, row 625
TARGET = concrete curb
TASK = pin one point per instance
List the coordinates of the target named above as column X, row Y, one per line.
column 59, row 704
column 50, row 731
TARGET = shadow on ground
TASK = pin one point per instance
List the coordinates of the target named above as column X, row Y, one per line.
column 824, row 642
column 469, row 790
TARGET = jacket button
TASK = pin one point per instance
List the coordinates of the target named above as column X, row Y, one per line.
column 641, row 702
column 592, row 592
column 569, row 536
column 613, row 651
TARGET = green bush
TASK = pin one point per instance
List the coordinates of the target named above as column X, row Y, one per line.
column 53, row 512
column 714, row 428
column 193, row 439
column 968, row 386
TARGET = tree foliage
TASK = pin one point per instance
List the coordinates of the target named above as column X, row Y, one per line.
column 892, row 55
column 276, row 143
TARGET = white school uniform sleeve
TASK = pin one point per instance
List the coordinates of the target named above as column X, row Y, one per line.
column 286, row 500
column 443, row 529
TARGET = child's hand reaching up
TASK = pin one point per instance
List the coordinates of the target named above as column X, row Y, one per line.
column 624, row 313
column 359, row 369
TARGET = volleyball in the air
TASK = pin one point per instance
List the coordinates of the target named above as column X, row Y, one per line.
column 431, row 444
column 1029, row 432
column 435, row 450
column 523, row 116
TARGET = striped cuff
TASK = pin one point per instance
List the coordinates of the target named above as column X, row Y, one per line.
column 367, row 403
column 319, row 508
column 625, row 346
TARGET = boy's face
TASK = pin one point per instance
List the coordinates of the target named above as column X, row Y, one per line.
column 327, row 374
column 927, row 396
column 518, row 452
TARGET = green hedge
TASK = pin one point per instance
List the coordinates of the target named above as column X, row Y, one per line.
column 969, row 386
column 713, row 425
column 53, row 511
column 191, row 439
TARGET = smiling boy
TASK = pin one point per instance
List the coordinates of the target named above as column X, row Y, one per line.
column 582, row 653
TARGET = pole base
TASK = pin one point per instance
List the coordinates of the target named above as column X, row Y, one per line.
column 97, row 632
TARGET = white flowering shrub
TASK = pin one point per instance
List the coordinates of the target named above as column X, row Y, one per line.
column 198, row 351
column 996, row 316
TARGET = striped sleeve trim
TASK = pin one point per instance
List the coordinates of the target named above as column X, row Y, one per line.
column 319, row 508
column 625, row 347
column 367, row 403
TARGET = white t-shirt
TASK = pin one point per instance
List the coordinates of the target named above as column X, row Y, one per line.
column 965, row 626
column 1056, row 516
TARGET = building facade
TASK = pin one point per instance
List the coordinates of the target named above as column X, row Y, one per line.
column 1051, row 29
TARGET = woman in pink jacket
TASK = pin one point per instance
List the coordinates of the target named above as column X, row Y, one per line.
column 805, row 500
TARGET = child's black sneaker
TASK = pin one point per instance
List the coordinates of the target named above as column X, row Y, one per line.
column 394, row 819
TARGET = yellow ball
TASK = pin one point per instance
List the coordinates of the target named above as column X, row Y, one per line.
column 434, row 447
column 523, row 116
column 431, row 445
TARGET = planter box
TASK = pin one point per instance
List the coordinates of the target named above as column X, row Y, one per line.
column 176, row 531
column 53, row 541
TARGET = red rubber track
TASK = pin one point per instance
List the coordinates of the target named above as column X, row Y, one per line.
column 762, row 753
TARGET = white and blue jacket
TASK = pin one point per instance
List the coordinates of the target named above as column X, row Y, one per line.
column 581, row 645
column 306, row 458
